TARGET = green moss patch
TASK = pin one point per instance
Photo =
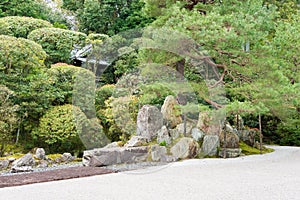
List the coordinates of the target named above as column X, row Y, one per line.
column 248, row 150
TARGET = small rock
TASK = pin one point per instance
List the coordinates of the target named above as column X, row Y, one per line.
column 4, row 164
column 163, row 135
column 158, row 153
column 21, row 169
column 67, row 157
column 185, row 148
column 43, row 164
column 174, row 133
column 197, row 134
column 112, row 145
column 230, row 152
column 136, row 141
column 11, row 160
column 26, row 160
column 180, row 128
column 40, row 153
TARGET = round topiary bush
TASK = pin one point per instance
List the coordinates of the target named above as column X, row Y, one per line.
column 19, row 55
column 21, row 26
column 65, row 77
column 58, row 43
column 57, row 131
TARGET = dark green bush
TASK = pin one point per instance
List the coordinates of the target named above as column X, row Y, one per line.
column 58, row 43
column 21, row 26
column 290, row 131
column 20, row 56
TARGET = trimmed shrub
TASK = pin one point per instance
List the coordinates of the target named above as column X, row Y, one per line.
column 75, row 85
column 66, row 129
column 21, row 26
column 19, row 55
column 57, row 131
column 58, row 43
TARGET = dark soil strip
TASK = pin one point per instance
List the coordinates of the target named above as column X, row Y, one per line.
column 53, row 175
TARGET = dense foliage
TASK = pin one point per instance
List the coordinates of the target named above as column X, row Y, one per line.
column 20, row 56
column 21, row 26
column 250, row 48
column 58, row 43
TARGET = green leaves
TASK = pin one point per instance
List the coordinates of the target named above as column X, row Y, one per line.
column 58, row 43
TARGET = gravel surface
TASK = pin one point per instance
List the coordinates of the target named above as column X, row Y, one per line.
column 271, row 176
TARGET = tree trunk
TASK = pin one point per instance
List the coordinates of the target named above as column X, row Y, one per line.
column 225, row 142
column 180, row 67
column 260, row 134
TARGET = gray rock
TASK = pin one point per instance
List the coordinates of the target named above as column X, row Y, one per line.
column 112, row 156
column 232, row 139
column 136, row 141
column 11, row 160
column 248, row 136
column 197, row 134
column 180, row 128
column 112, row 145
column 163, row 135
column 149, row 121
column 40, row 153
column 203, row 121
column 171, row 112
column 230, row 152
column 158, row 153
column 174, row 133
column 185, row 148
column 26, row 160
column 210, row 145
column 4, row 164
column 16, row 169
column 67, row 157
column 43, row 164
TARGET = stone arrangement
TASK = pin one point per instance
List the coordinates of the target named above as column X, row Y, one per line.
column 28, row 162
column 160, row 138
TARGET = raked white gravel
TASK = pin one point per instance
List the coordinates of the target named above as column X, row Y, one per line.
column 271, row 176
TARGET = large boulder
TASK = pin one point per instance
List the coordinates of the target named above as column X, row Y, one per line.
column 112, row 145
column 136, row 141
column 111, row 156
column 149, row 122
column 232, row 139
column 26, row 160
column 185, row 148
column 163, row 135
column 170, row 111
column 40, row 153
column 210, row 145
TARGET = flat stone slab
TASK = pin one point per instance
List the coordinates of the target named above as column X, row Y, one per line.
column 112, row 156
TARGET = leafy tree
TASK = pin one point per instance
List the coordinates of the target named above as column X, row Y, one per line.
column 110, row 17
column 21, row 26
column 58, row 43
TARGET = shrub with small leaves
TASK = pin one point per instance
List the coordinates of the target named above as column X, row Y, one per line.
column 20, row 56
column 21, row 26
column 58, row 43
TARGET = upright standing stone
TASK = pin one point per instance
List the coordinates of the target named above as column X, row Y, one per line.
column 210, row 145
column 40, row 153
column 171, row 112
column 149, row 122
